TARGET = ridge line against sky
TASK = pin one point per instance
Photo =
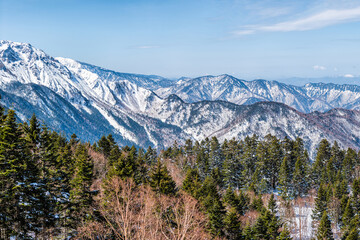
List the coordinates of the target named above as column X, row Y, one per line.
column 249, row 39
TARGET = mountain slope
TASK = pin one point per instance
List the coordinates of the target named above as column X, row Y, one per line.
column 309, row 98
column 76, row 97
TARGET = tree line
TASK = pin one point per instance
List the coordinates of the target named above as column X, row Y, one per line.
column 51, row 187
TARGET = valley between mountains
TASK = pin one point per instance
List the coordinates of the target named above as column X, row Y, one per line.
column 149, row 110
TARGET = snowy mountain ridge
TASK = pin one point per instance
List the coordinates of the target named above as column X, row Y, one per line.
column 71, row 96
column 308, row 98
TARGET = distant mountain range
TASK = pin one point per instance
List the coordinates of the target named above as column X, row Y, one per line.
column 308, row 98
column 72, row 96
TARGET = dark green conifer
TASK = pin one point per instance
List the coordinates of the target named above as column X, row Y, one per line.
column 356, row 194
column 80, row 194
column 285, row 184
column 324, row 230
column 126, row 165
column 17, row 174
column 216, row 214
column 272, row 205
column 74, row 140
column 161, row 181
column 104, row 146
column 300, row 179
column 349, row 163
column 230, row 198
column 320, row 203
column 232, row 227
column 215, row 155
column 150, row 156
column 285, row 234
column 248, row 233
column 348, row 213
column 322, row 157
column 192, row 183
column 257, row 204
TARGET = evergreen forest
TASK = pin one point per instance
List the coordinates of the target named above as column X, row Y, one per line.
column 57, row 188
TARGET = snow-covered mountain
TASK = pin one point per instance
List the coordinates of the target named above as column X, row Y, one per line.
column 71, row 96
column 311, row 97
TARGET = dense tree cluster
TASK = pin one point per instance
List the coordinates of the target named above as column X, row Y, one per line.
column 52, row 187
column 44, row 181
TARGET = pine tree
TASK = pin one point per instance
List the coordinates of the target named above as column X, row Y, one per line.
column 104, row 146
column 356, row 194
column 257, row 204
column 353, row 235
column 352, row 231
column 150, row 156
column 202, row 162
column 331, row 170
column 232, row 167
column 274, row 227
column 49, row 186
column 161, row 181
column 141, row 172
column 74, row 140
column 348, row 213
column 341, row 189
column 125, row 166
column 232, row 171
column 232, row 227
column 343, row 203
column 249, row 159
column 285, row 178
column 323, row 155
column 230, row 198
column 248, row 233
column 324, row 231
column 17, row 173
column 65, row 165
column 348, row 165
column 243, row 203
column 111, row 141
column 215, row 155
column 240, row 202
column 261, row 227
column 208, row 189
column 188, row 148
column 80, row 194
column 300, row 180
column 114, row 155
column 32, row 132
column 320, row 203
column 272, row 205
column 192, row 182
column 216, row 214
column 337, row 156
column 217, row 176
column 285, row 234
column 299, row 151
column 274, row 163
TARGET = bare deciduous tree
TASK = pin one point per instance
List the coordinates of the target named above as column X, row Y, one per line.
column 136, row 212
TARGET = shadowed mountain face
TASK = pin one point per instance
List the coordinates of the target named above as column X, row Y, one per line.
column 73, row 97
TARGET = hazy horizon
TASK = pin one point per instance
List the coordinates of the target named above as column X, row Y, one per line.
column 272, row 40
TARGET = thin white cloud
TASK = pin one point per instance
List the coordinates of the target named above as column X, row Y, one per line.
column 349, row 76
column 317, row 67
column 316, row 21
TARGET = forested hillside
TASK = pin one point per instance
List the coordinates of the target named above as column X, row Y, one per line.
column 54, row 188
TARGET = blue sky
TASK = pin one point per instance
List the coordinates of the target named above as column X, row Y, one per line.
column 245, row 38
